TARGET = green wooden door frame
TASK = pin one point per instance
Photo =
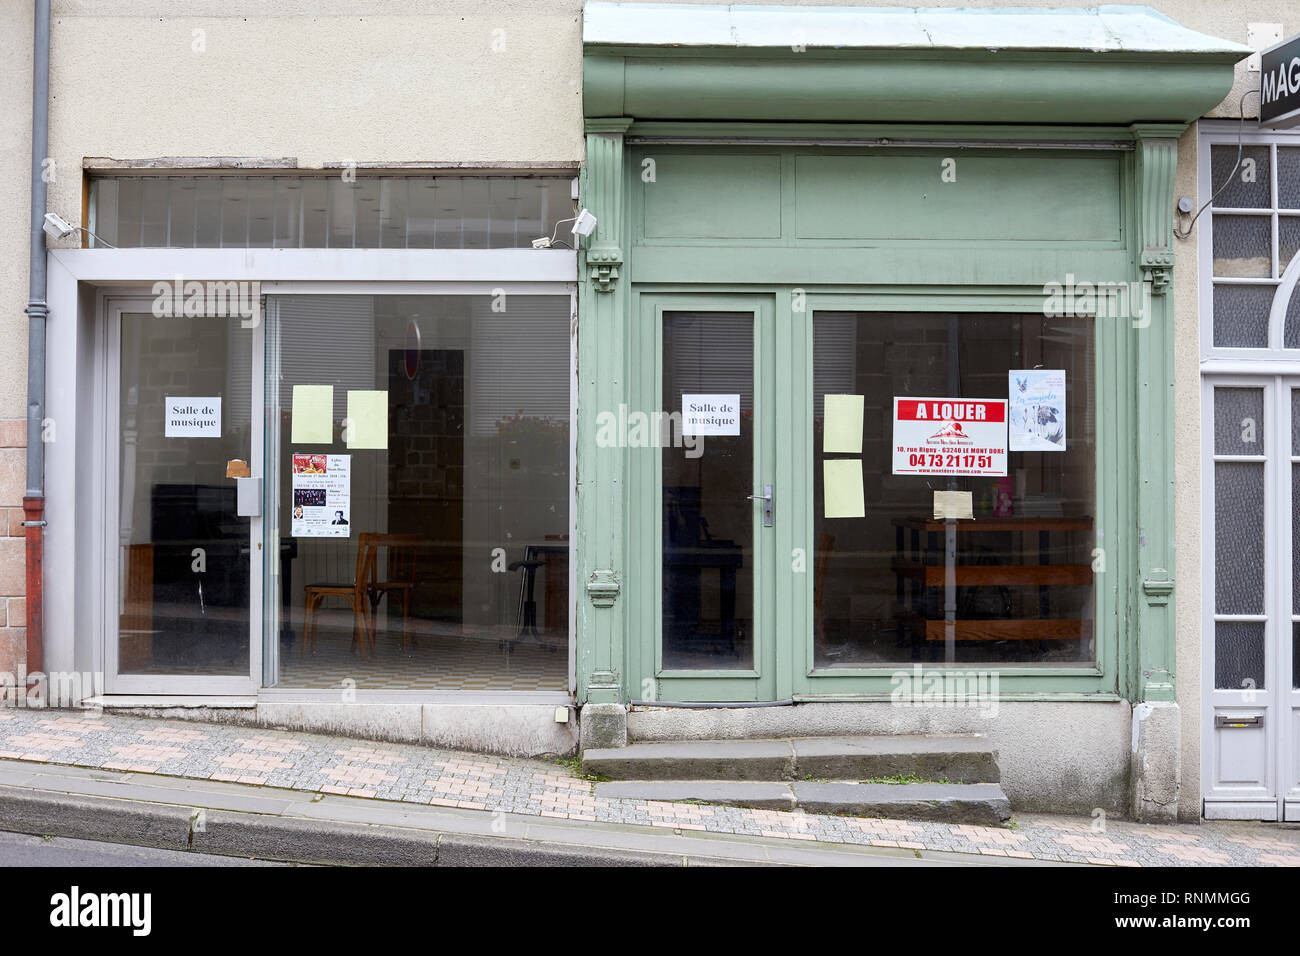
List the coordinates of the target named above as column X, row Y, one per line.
column 1134, row 380
column 648, row 679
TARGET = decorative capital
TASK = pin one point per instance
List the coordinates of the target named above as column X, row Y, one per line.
column 603, row 265
column 1157, row 163
column 1158, row 589
column 1158, row 269
column 603, row 587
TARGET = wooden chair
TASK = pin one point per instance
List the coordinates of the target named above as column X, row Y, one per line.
column 824, row 548
column 399, row 572
column 354, row 594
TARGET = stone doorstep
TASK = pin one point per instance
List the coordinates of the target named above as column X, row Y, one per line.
column 982, row 804
column 964, row 760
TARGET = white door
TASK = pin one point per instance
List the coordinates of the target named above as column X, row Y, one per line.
column 1250, row 666
column 183, row 570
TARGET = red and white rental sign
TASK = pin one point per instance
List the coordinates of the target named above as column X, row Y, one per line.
column 950, row 436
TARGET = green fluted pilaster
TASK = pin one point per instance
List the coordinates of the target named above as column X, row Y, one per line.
column 1156, row 163
column 602, row 382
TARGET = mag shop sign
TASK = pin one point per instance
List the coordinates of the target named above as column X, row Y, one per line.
column 950, row 436
column 1279, row 85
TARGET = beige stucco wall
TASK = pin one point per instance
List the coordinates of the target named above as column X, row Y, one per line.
column 15, row 201
column 1187, row 482
column 449, row 81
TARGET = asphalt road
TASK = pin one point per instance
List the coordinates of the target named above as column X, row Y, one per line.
column 21, row 849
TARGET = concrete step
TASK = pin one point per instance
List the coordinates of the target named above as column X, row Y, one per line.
column 982, row 804
column 952, row 759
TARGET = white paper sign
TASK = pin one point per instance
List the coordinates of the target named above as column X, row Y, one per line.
column 710, row 414
column 1036, row 416
column 322, row 496
column 192, row 417
column 950, row 436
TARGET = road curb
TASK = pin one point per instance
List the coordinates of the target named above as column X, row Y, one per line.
column 269, row 837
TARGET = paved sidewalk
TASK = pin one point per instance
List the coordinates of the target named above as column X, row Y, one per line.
column 409, row 774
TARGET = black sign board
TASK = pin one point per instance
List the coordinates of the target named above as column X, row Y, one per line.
column 1279, row 85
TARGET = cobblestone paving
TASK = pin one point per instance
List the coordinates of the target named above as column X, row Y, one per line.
column 415, row 774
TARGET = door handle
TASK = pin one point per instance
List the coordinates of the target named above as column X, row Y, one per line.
column 766, row 498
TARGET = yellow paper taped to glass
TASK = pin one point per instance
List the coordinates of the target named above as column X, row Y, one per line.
column 313, row 415
column 842, row 492
column 842, row 425
column 367, row 421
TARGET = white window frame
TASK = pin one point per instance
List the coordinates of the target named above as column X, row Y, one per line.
column 1272, row 369
column 1274, row 359
column 80, row 280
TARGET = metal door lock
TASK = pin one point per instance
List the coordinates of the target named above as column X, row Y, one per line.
column 766, row 498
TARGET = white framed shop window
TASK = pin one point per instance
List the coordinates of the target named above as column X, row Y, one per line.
column 81, row 280
column 1248, row 247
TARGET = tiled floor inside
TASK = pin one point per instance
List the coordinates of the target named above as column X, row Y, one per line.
column 437, row 657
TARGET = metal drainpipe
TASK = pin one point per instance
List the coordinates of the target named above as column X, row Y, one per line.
column 37, row 310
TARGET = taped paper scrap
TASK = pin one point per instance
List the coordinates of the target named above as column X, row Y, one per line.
column 367, row 423
column 953, row 504
column 313, row 415
column 843, row 488
column 842, row 431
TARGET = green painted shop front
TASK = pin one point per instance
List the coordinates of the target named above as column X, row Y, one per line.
column 817, row 231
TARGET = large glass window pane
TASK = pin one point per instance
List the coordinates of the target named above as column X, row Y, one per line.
column 1243, row 246
column 1295, row 656
column 288, row 212
column 314, row 211
column 1239, row 421
column 367, row 210
column 234, row 213
column 439, row 427
column 1021, row 571
column 393, row 206
column 1239, row 655
column 183, row 593
column 1241, row 315
column 1291, row 321
column 103, row 207
column 261, row 224
column 1239, row 537
column 181, row 209
column 1295, row 533
column 153, row 212
column 129, row 197
column 1288, row 177
column 1295, row 421
column 342, row 205
column 207, row 213
column 421, row 213
column 1288, row 240
column 708, row 519
column 1251, row 181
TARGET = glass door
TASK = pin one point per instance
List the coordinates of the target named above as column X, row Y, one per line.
column 182, row 594
column 705, row 439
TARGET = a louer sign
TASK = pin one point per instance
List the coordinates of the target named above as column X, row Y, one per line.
column 1279, row 85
